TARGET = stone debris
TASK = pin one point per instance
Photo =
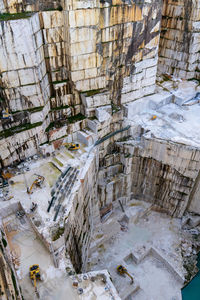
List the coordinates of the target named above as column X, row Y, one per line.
column 194, row 221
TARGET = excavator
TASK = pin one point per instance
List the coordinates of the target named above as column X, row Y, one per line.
column 122, row 271
column 3, row 182
column 4, row 179
column 6, row 114
column 71, row 146
column 7, row 175
column 37, row 182
column 34, row 273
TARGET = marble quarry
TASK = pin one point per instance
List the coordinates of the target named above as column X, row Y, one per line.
column 120, row 78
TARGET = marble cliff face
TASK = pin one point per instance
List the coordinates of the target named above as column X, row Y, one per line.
column 57, row 64
column 60, row 59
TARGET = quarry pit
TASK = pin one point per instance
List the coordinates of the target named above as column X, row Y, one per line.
column 150, row 238
column 99, row 149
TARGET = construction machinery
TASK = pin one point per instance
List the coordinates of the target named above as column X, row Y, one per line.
column 123, row 271
column 33, row 207
column 7, row 175
column 154, row 117
column 34, row 273
column 37, row 182
column 6, row 114
column 71, row 146
column 3, row 182
column 4, row 179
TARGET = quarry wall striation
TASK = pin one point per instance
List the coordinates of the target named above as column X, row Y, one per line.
column 57, row 64
column 158, row 171
column 179, row 39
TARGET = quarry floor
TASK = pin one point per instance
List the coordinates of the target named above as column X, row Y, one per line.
column 148, row 245
column 50, row 168
column 26, row 250
column 176, row 109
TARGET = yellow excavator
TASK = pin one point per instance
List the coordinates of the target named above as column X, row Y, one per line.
column 34, row 273
column 4, row 179
column 7, row 175
column 6, row 114
column 71, row 146
column 37, row 182
column 123, row 271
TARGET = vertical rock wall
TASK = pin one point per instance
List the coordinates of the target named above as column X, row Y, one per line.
column 194, row 203
column 23, row 70
column 57, row 64
column 113, row 48
column 52, row 24
column 83, row 216
column 18, row 6
column 9, row 287
column 179, row 43
column 153, row 170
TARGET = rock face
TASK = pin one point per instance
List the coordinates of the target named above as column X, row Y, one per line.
column 86, row 56
column 115, row 37
column 9, row 286
column 28, row 5
column 157, row 171
column 179, row 44
column 83, row 216
column 73, row 61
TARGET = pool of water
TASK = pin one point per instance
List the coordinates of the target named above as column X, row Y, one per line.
column 192, row 290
